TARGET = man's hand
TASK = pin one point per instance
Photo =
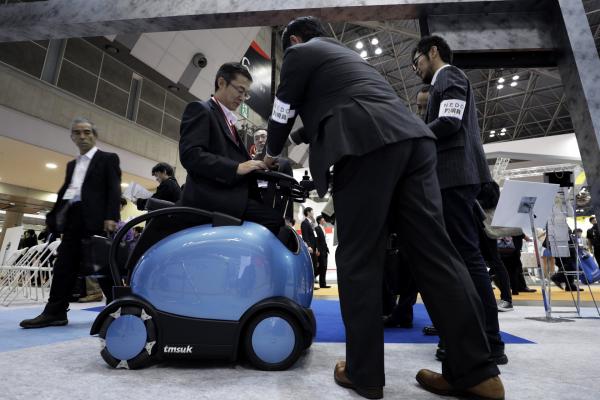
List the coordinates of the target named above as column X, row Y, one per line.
column 271, row 162
column 249, row 166
column 110, row 225
column 310, row 249
column 318, row 253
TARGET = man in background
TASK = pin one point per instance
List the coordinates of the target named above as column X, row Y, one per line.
column 322, row 251
column 87, row 204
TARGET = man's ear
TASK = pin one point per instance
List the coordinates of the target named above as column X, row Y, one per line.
column 221, row 82
column 433, row 52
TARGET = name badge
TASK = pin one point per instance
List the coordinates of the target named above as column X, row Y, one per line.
column 452, row 109
column 281, row 111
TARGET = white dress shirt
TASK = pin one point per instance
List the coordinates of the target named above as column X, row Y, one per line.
column 229, row 116
column 73, row 192
column 437, row 72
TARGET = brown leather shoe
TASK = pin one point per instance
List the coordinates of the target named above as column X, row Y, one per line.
column 490, row 389
column 340, row 377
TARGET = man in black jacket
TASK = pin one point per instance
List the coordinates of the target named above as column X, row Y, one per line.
column 461, row 168
column 323, row 252
column 308, row 235
column 87, row 204
column 355, row 122
column 215, row 157
column 168, row 189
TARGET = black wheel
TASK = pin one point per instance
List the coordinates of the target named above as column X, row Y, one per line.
column 128, row 338
column 273, row 340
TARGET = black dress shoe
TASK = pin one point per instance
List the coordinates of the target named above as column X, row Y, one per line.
column 340, row 377
column 430, row 331
column 527, row 289
column 44, row 320
column 325, row 286
column 572, row 288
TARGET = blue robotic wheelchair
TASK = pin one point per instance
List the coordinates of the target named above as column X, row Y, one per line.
column 205, row 285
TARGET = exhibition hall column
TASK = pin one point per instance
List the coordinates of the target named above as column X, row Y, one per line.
column 579, row 68
column 11, row 219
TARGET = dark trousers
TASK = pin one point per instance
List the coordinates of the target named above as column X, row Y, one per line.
column 597, row 254
column 322, row 269
column 463, row 229
column 68, row 263
column 263, row 214
column 407, row 297
column 515, row 271
column 363, row 188
column 489, row 251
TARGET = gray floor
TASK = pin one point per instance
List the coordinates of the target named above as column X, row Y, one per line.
column 563, row 364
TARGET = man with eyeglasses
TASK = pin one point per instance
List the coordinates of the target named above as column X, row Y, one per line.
column 462, row 168
column 215, row 157
column 384, row 178
column 88, row 203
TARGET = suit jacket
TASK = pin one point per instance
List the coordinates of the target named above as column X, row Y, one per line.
column 211, row 157
column 347, row 107
column 321, row 242
column 308, row 234
column 100, row 192
column 461, row 159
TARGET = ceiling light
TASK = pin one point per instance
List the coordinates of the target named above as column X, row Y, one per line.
column 500, row 87
column 503, row 130
column 378, row 51
column 124, row 185
column 492, row 135
column 51, row 165
column 374, row 41
column 359, row 45
column 513, row 84
column 493, row 132
column 501, row 80
column 363, row 54
column 516, row 78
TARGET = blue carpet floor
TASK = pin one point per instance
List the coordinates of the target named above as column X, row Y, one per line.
column 330, row 328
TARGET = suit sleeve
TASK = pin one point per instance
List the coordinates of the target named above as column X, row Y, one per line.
column 453, row 101
column 113, row 188
column 194, row 146
column 295, row 72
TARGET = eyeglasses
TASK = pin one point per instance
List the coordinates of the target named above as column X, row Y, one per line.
column 243, row 92
column 416, row 61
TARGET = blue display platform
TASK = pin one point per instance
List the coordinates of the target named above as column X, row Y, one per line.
column 330, row 328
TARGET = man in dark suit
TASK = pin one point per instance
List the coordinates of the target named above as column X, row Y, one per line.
column 215, row 157
column 461, row 168
column 168, row 189
column 87, row 204
column 308, row 235
column 355, row 122
column 323, row 252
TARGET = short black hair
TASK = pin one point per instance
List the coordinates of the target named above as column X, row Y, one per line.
column 578, row 230
column 304, row 27
column 138, row 229
column 591, row 218
column 307, row 210
column 123, row 201
column 163, row 167
column 229, row 70
column 319, row 218
column 426, row 43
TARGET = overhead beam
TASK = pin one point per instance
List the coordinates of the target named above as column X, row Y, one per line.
column 83, row 18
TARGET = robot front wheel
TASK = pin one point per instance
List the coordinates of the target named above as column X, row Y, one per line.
column 273, row 340
column 128, row 338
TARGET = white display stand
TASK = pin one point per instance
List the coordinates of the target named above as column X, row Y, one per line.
column 529, row 205
column 10, row 244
